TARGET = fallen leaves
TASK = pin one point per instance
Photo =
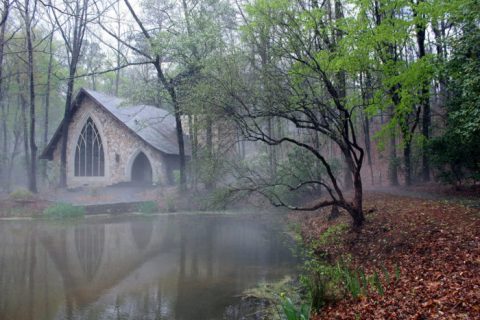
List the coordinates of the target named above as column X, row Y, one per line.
column 435, row 244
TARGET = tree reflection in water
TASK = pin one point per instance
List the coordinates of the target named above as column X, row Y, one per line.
column 142, row 232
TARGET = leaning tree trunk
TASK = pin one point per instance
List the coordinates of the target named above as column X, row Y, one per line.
column 181, row 143
column 357, row 208
column 168, row 85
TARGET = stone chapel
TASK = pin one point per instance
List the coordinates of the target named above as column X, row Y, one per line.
column 111, row 142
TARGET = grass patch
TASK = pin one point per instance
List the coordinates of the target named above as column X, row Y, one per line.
column 64, row 211
column 148, row 207
column 282, row 295
column 292, row 312
column 21, row 195
column 325, row 282
column 331, row 235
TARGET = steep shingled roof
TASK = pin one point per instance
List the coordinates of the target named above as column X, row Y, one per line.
column 153, row 125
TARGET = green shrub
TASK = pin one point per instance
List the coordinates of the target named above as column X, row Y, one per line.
column 332, row 234
column 148, row 207
column 21, row 194
column 299, row 166
column 64, row 211
column 454, row 159
column 176, row 177
column 291, row 312
column 219, row 198
column 170, row 204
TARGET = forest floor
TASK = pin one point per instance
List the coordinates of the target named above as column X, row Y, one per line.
column 433, row 243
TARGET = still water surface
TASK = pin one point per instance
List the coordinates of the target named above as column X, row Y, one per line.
column 190, row 267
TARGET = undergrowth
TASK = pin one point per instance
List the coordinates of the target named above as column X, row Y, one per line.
column 64, row 211
column 21, row 195
column 148, row 207
column 326, row 282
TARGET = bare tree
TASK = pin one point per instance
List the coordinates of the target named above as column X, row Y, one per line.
column 27, row 11
column 71, row 19
column 47, row 98
column 5, row 12
column 3, row 26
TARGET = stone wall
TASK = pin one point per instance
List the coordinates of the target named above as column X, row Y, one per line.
column 120, row 146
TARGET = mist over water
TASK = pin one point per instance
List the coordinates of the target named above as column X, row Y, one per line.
column 160, row 267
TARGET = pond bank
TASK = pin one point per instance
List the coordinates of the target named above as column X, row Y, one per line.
column 432, row 246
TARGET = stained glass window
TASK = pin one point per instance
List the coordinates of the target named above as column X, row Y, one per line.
column 89, row 157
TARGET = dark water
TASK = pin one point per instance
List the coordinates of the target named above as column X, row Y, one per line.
column 163, row 267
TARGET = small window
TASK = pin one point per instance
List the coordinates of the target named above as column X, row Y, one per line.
column 89, row 157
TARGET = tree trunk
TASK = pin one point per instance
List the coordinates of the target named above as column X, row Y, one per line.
column 407, row 150
column 170, row 87
column 393, row 165
column 118, row 57
column 425, row 99
column 368, row 147
column 181, row 143
column 272, row 156
column 367, row 96
column 193, row 143
column 66, row 122
column 334, row 213
column 426, row 121
column 209, row 184
column 73, row 39
column 439, row 45
column 3, row 157
column 25, row 136
column 32, row 172
column 13, row 155
column 47, row 103
column 357, row 208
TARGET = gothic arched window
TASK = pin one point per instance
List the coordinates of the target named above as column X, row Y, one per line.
column 89, row 157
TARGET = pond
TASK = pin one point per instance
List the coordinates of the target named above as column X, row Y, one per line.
column 179, row 266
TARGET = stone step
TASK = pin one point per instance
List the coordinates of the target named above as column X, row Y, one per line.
column 113, row 208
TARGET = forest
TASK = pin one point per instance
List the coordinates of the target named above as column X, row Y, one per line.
column 304, row 104
column 381, row 83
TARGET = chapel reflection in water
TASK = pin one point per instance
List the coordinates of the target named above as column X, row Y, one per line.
column 173, row 267
column 89, row 244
